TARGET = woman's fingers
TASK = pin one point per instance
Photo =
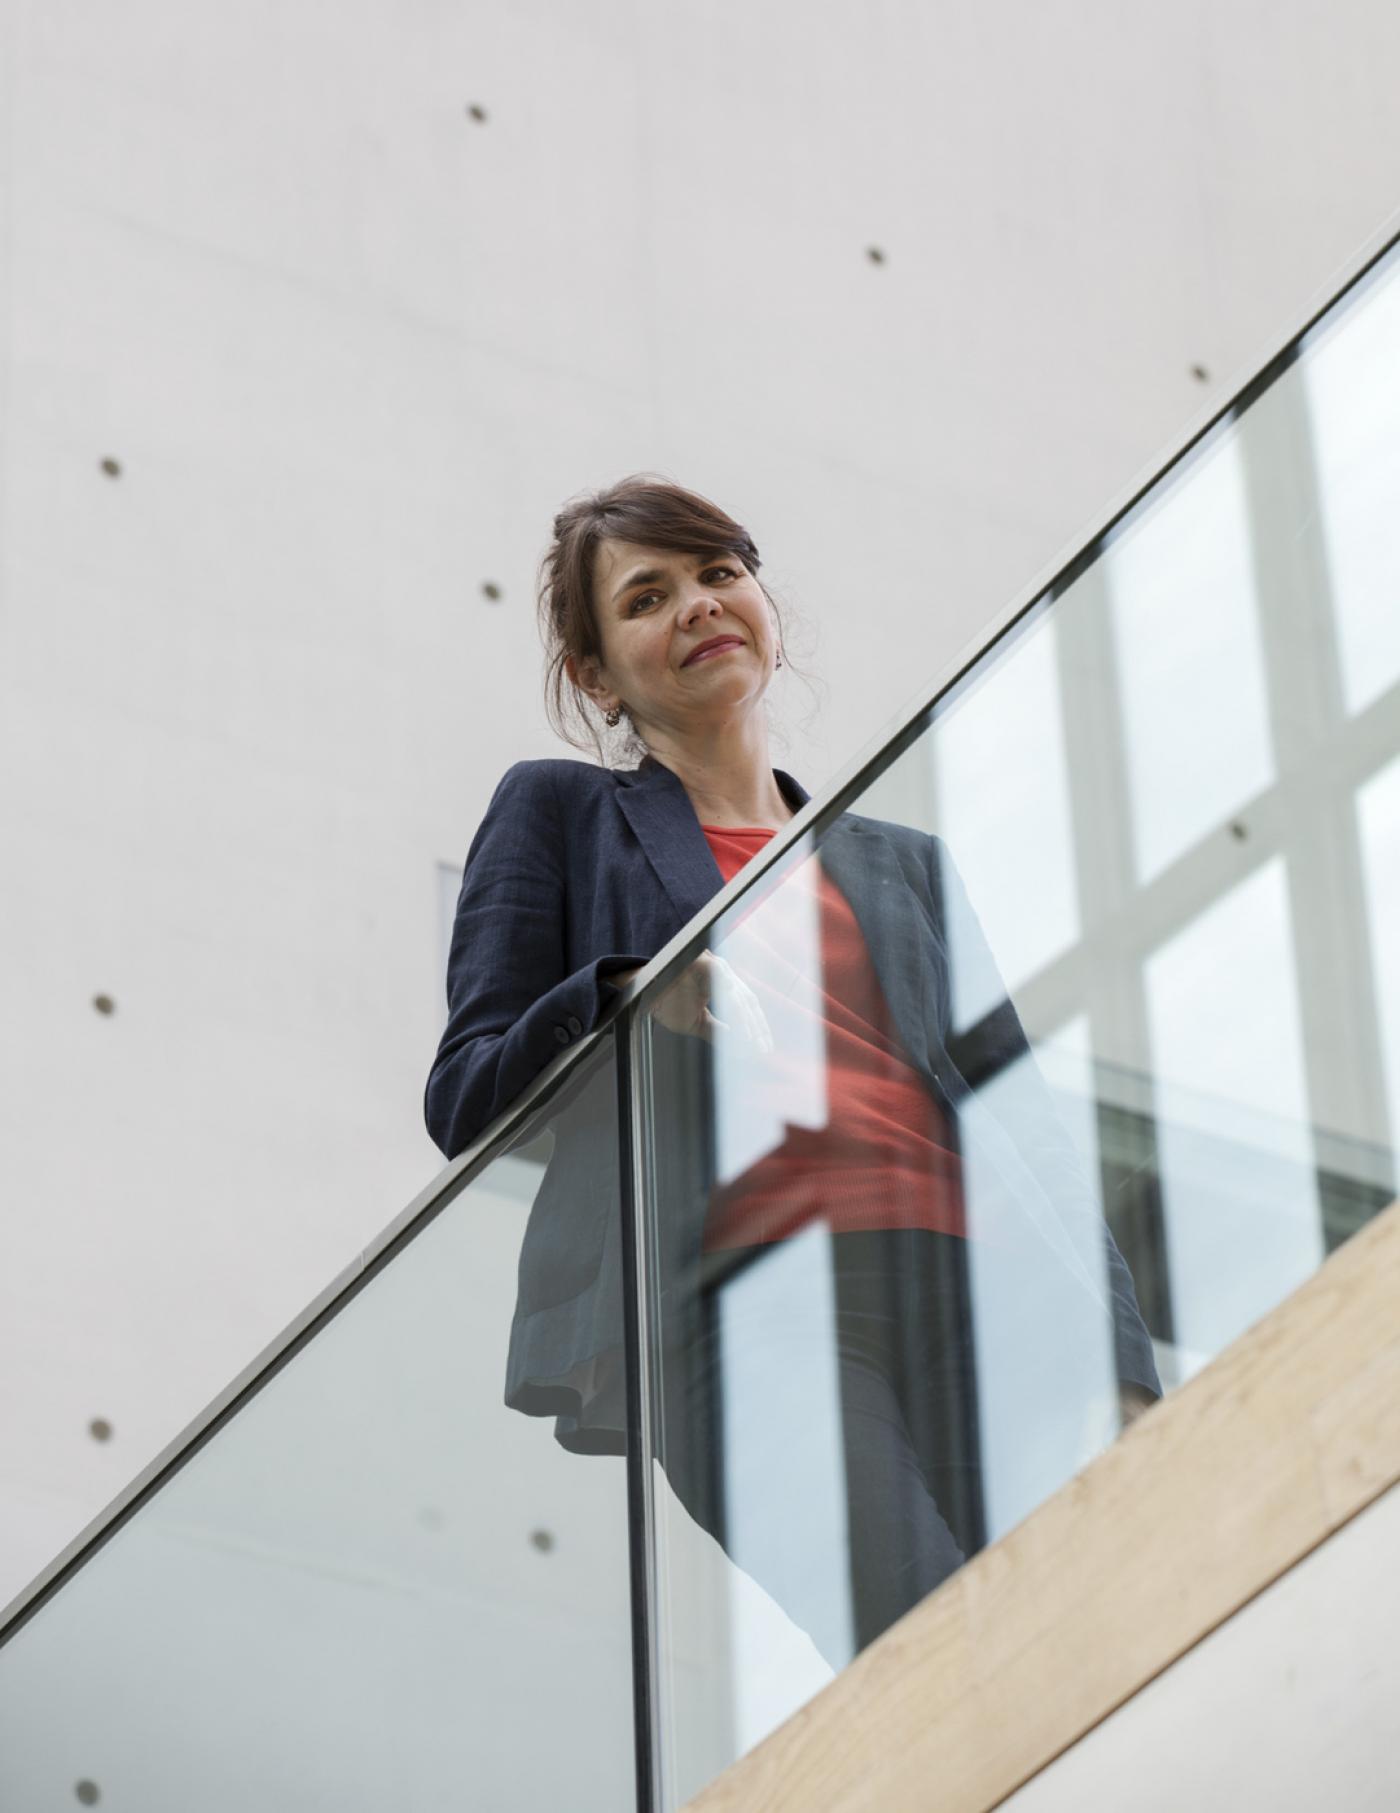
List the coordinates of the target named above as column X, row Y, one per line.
column 707, row 1025
column 689, row 1004
column 734, row 990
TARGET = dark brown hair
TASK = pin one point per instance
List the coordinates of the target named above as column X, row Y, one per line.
column 642, row 508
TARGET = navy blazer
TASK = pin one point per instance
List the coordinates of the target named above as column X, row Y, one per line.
column 578, row 872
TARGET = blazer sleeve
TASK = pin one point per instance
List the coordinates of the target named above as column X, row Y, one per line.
column 512, row 1004
column 997, row 1047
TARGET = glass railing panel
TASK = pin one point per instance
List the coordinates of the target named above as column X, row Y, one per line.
column 1058, row 1051
column 1040, row 1071
column 379, row 1585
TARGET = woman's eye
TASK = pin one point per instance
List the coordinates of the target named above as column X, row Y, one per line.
column 644, row 600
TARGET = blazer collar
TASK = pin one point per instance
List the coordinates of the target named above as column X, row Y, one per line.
column 658, row 808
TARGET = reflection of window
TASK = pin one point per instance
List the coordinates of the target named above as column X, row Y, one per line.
column 1190, row 669
column 782, row 1446
column 1003, row 807
column 1046, row 1376
column 1378, row 810
column 1066, row 1062
column 774, row 950
column 1352, row 385
column 1242, row 1225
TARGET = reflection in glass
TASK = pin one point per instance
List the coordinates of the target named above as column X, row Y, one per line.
column 1066, row 1059
column 1352, row 385
column 767, row 1085
column 889, row 1317
column 1243, row 1227
column 763, row 1310
column 1189, row 660
column 1003, row 803
column 1047, row 1381
column 1378, row 815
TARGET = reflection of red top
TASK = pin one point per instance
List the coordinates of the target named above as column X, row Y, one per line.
column 874, row 1152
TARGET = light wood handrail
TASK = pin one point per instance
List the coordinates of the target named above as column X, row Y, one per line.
column 1200, row 1505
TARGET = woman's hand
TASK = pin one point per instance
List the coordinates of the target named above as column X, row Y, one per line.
column 688, row 1003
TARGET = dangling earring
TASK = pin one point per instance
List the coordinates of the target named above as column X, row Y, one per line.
column 779, row 661
column 613, row 718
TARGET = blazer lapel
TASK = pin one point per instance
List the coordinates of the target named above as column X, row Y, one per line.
column 663, row 820
column 657, row 807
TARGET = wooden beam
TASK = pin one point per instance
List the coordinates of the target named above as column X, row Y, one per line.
column 1200, row 1505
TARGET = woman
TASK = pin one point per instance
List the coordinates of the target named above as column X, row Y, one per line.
column 654, row 616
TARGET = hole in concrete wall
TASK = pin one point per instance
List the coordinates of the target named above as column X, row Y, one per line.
column 474, row 112
column 88, row 1794
column 100, row 1429
column 104, row 1004
column 489, row 589
column 875, row 254
column 1200, row 374
column 112, row 468
column 1238, row 830
column 543, row 1540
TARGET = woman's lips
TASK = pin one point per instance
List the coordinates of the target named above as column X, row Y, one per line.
column 715, row 648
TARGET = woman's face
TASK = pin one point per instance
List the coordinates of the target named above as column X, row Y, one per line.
column 687, row 640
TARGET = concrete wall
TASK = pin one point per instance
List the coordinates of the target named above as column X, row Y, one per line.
column 349, row 348
column 1289, row 1704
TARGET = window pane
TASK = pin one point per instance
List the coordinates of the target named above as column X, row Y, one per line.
column 1003, row 800
column 1234, row 1143
column 1189, row 663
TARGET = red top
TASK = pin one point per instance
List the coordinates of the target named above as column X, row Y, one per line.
column 834, row 1123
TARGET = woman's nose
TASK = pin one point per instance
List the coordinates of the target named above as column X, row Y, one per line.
column 697, row 605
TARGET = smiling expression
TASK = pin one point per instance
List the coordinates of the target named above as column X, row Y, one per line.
column 684, row 637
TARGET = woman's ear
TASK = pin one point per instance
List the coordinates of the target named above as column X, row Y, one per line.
column 585, row 675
